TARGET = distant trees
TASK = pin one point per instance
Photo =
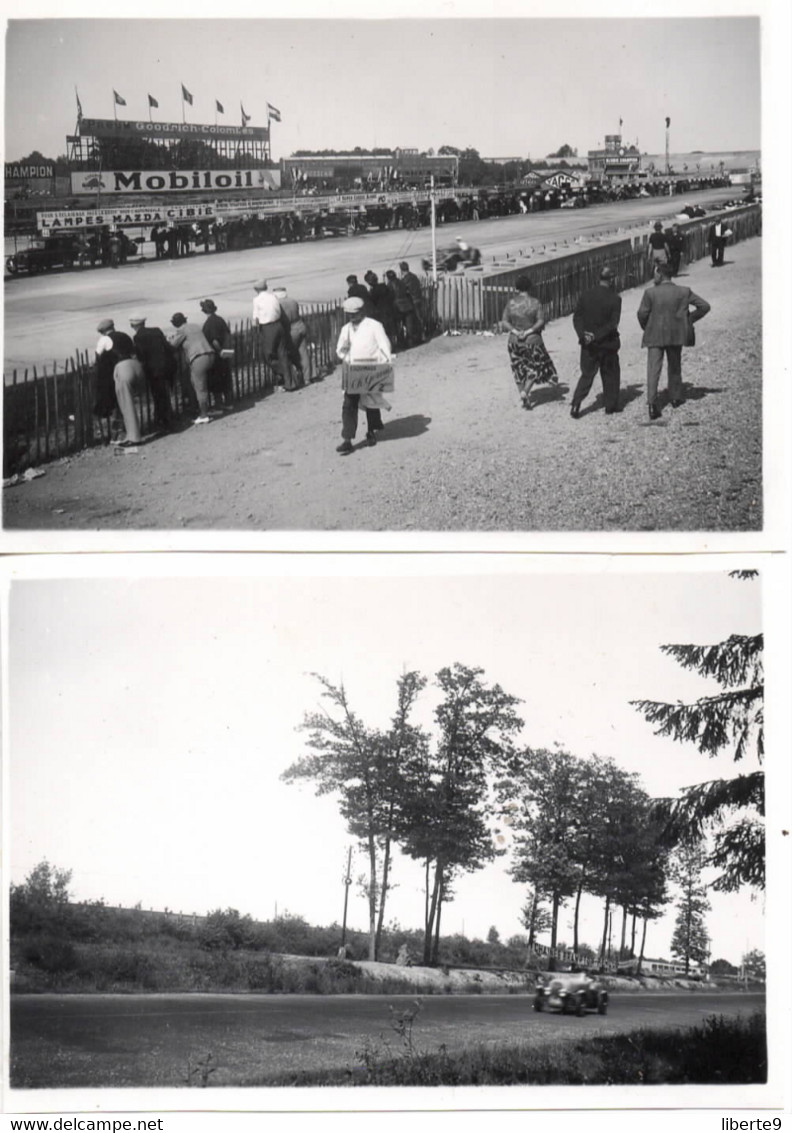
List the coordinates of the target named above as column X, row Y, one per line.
column 582, row 826
column 564, row 151
column 754, row 964
column 690, row 941
column 42, row 900
column 730, row 810
column 364, row 768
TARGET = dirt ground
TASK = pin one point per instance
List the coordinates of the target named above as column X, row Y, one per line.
column 457, row 453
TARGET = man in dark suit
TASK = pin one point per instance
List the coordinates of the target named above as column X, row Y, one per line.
column 159, row 366
column 596, row 323
column 667, row 324
column 717, row 238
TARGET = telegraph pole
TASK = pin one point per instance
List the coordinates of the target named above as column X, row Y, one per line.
column 347, row 880
column 667, row 136
column 434, row 229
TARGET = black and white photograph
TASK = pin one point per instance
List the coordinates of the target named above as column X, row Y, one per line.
column 331, row 827
column 478, row 275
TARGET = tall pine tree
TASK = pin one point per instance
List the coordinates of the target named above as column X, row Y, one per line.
column 731, row 810
column 690, row 942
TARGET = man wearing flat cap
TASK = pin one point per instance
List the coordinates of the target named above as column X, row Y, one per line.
column 199, row 358
column 267, row 315
column 361, row 340
column 217, row 333
column 119, row 379
column 596, row 323
column 159, row 366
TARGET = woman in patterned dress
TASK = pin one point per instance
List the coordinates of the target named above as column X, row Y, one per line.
column 524, row 319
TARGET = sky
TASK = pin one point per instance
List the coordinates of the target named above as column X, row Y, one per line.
column 505, row 86
column 151, row 716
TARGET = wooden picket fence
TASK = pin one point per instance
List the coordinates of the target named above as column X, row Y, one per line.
column 48, row 411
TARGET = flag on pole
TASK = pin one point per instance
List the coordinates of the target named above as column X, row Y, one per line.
column 620, row 123
column 245, row 117
column 273, row 112
column 668, row 122
column 79, row 106
column 219, row 106
column 153, row 102
column 118, row 100
column 186, row 95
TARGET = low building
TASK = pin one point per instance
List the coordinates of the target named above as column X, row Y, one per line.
column 387, row 168
column 616, row 162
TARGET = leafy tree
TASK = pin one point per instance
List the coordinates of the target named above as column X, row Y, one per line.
column 722, row 968
column 754, row 964
column 732, row 810
column 564, row 151
column 690, row 941
column 493, row 936
column 444, row 817
column 535, row 917
column 225, row 930
column 546, row 810
column 363, row 766
column 42, row 900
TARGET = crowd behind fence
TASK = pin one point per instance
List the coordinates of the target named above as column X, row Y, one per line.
column 48, row 410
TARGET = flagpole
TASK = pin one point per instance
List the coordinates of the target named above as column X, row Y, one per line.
column 115, row 112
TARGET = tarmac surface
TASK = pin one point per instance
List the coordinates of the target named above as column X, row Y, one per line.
column 50, row 316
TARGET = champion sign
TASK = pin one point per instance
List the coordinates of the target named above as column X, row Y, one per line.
column 174, row 181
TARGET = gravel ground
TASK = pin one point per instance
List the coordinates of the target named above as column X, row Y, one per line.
column 458, row 453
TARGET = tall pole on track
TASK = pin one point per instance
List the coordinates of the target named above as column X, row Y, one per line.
column 347, row 883
column 434, row 228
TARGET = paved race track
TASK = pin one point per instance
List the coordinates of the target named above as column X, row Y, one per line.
column 48, row 317
column 114, row 1040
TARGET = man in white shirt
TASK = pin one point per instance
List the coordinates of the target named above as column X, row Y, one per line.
column 267, row 315
column 361, row 340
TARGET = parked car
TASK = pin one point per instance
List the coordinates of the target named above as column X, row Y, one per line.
column 571, row 993
column 55, row 252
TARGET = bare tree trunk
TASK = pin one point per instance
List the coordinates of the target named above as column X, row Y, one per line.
column 438, row 873
column 577, row 915
column 604, row 945
column 372, row 896
column 383, row 895
column 623, row 931
column 554, row 926
column 643, row 944
column 532, row 921
column 634, row 927
column 436, row 946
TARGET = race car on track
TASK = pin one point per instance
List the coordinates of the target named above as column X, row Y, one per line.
column 571, row 993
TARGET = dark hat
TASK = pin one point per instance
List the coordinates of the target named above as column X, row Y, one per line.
column 178, row 319
column 404, row 266
column 105, row 325
column 658, row 224
column 208, row 305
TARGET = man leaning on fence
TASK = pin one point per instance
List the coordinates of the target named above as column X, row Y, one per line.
column 119, row 380
column 159, row 366
column 361, row 340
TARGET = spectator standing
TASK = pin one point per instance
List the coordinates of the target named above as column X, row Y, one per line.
column 361, row 340
column 159, row 367
column 297, row 337
column 675, row 242
column 664, row 314
column 523, row 317
column 267, row 316
column 198, row 356
column 596, row 323
column 658, row 251
column 381, row 304
column 415, row 322
column 119, row 379
column 717, row 238
column 217, row 333
column 402, row 305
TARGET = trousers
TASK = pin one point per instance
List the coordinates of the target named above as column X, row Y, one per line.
column 654, row 366
column 593, row 359
column 349, row 417
column 129, row 379
column 273, row 347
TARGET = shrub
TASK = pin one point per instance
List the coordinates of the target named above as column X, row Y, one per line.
column 51, row 954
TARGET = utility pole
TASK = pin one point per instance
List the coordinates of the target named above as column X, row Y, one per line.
column 667, row 141
column 434, row 229
column 347, row 880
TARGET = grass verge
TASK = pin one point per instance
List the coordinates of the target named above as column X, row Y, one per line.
column 719, row 1051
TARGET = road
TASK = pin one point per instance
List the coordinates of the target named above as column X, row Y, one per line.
column 115, row 1040
column 48, row 317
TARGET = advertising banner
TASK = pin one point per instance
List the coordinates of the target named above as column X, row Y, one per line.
column 367, row 377
column 73, row 219
column 16, row 172
column 110, row 128
column 174, row 181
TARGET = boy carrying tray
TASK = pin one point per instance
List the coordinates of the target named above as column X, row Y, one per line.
column 365, row 352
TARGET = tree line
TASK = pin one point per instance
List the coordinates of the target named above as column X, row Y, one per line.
column 456, row 798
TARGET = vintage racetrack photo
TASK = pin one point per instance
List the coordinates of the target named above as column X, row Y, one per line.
column 449, row 302
column 315, row 839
